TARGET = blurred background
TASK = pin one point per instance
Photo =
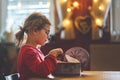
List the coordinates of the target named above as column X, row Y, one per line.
column 91, row 24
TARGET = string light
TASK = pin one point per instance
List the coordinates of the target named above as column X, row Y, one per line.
column 95, row 1
column 68, row 9
column 64, row 0
column 75, row 4
column 66, row 22
column 101, row 7
column 90, row 8
column 98, row 22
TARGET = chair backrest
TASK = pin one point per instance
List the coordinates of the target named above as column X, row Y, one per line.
column 14, row 76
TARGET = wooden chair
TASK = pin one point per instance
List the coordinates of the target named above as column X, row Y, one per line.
column 14, row 76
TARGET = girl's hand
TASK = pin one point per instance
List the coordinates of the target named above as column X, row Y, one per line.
column 56, row 52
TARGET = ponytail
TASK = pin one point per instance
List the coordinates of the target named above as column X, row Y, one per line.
column 20, row 36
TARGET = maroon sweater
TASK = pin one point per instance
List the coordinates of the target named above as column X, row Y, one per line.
column 32, row 63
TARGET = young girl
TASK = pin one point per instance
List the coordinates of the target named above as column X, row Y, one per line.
column 31, row 60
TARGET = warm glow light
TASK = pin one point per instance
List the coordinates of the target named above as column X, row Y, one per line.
column 101, row 7
column 98, row 22
column 75, row 4
column 66, row 22
column 64, row 0
column 68, row 9
column 89, row 8
column 107, row 1
column 95, row 1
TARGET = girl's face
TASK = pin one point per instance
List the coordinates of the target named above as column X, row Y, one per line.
column 42, row 35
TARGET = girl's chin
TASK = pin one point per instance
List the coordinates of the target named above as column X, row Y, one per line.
column 43, row 44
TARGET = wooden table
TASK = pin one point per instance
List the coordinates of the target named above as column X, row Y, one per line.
column 89, row 75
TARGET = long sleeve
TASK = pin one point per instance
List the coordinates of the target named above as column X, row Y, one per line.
column 32, row 63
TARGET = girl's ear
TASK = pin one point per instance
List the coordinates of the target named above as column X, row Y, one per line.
column 35, row 31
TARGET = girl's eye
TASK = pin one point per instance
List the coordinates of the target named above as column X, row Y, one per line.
column 47, row 33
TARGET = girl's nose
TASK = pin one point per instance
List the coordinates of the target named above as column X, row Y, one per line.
column 49, row 37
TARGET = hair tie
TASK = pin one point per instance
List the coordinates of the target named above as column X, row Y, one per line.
column 24, row 30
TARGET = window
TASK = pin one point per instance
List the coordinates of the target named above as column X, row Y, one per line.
column 18, row 10
column 115, row 21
